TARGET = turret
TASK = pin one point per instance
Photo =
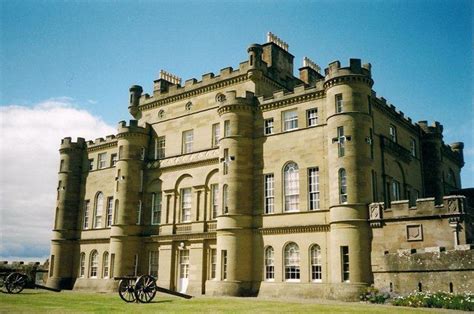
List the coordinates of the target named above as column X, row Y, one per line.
column 431, row 146
column 349, row 125
column 64, row 247
column 125, row 243
column 135, row 94
column 234, row 233
column 458, row 148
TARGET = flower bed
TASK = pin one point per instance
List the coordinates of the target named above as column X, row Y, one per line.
column 464, row 302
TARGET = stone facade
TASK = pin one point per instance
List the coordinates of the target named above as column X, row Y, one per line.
column 257, row 182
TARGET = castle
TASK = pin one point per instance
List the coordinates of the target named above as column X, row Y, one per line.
column 257, row 182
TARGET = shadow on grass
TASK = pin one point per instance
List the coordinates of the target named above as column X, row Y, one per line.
column 162, row 301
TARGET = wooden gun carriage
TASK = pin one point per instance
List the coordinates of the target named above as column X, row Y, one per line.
column 15, row 280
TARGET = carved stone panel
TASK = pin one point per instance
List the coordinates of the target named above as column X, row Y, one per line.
column 414, row 233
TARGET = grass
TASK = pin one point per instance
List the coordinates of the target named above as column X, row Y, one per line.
column 40, row 301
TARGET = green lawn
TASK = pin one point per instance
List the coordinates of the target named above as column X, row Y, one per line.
column 40, row 301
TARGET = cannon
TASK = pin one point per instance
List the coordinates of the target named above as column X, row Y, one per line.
column 142, row 289
column 15, row 280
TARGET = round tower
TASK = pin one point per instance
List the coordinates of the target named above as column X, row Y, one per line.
column 64, row 247
column 349, row 165
column 135, row 94
column 234, row 233
column 132, row 141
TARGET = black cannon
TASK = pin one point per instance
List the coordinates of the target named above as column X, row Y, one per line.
column 12, row 281
column 142, row 289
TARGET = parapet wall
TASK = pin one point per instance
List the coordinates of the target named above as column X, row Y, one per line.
column 68, row 143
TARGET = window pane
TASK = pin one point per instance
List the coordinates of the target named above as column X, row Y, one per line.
column 186, row 204
column 291, row 182
column 290, row 120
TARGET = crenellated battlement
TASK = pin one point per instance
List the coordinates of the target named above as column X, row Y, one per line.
column 389, row 108
column 436, row 128
column 68, row 143
column 355, row 68
column 99, row 143
column 132, row 127
column 300, row 93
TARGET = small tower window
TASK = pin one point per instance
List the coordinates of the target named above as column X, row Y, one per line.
column 342, row 186
column 393, row 133
column 339, row 103
column 220, row 97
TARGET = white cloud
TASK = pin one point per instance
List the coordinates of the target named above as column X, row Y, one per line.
column 29, row 161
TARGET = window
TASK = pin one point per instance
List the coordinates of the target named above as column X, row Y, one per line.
column 58, row 189
column 188, row 138
column 225, row 199
column 225, row 165
column 374, row 186
column 139, row 212
column 292, row 262
column 396, row 190
column 82, row 265
column 105, row 265
column 117, row 180
column 316, row 273
column 413, row 147
column 51, row 266
column 269, row 264
column 393, row 133
column 160, row 144
column 312, row 117
column 156, row 208
column 339, row 103
column 216, row 131
column 213, row 266
column 94, row 264
column 184, row 263
column 268, row 129
column 116, row 208
column 345, row 263
column 291, row 183
column 135, row 265
column 99, row 208
column 342, row 186
column 227, row 131
column 313, row 187
column 214, row 200
column 112, row 260
column 120, row 154
column 290, row 120
column 86, row 214
column 101, row 161
column 110, row 204
column 341, row 141
column 142, row 153
column 61, row 165
column 186, row 205
column 153, row 264
column 269, row 193
column 224, row 264
column 113, row 160
column 91, row 164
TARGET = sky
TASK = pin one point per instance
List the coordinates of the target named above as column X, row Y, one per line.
column 66, row 67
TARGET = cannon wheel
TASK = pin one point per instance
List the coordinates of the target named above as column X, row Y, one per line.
column 126, row 290
column 145, row 288
column 15, row 282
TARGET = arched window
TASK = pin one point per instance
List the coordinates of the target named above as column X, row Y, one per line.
column 316, row 265
column 269, row 264
column 342, row 186
column 292, row 262
column 225, row 199
column 99, row 208
column 82, row 265
column 94, row 264
column 291, row 187
column 105, row 265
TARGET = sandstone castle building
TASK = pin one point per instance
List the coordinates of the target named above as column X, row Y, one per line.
column 257, row 182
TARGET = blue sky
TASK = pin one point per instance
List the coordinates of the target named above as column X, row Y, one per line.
column 84, row 55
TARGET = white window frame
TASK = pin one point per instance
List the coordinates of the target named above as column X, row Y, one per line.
column 393, row 133
column 269, row 264
column 156, row 201
column 342, row 177
column 213, row 264
column 160, row 147
column 214, row 200
column 225, row 199
column 313, row 188
column 113, row 160
column 102, row 161
column 269, row 193
column 216, row 132
column 99, row 210
column 94, row 264
column 316, row 264
column 154, row 263
column 227, row 129
column 312, row 117
column 339, row 103
column 186, row 204
column 268, row 127
column 87, row 210
column 396, row 190
column 341, row 141
column 110, row 206
column 345, row 264
column 413, row 147
column 290, row 120
column 224, row 264
column 105, row 265
column 188, row 139
column 82, row 265
column 292, row 262
column 291, row 187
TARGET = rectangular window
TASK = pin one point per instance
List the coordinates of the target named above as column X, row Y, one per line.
column 269, row 193
column 188, row 138
column 112, row 261
column 142, row 153
column 91, row 164
column 341, row 141
column 413, row 147
column 113, row 160
column 61, row 165
column 290, row 120
column 396, row 195
column 102, row 161
column 312, row 117
column 105, row 268
column 110, row 205
column 139, row 212
column 224, row 264
column 215, row 134
column 82, row 265
column 86, row 214
column 268, row 126
column 345, row 263
column 225, row 200
column 153, row 264
column 393, row 133
column 227, row 131
column 186, row 205
column 225, row 164
column 213, row 264
column 339, row 103
column 156, row 208
column 160, row 144
column 214, row 200
column 51, row 266
column 313, row 187
column 374, row 186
